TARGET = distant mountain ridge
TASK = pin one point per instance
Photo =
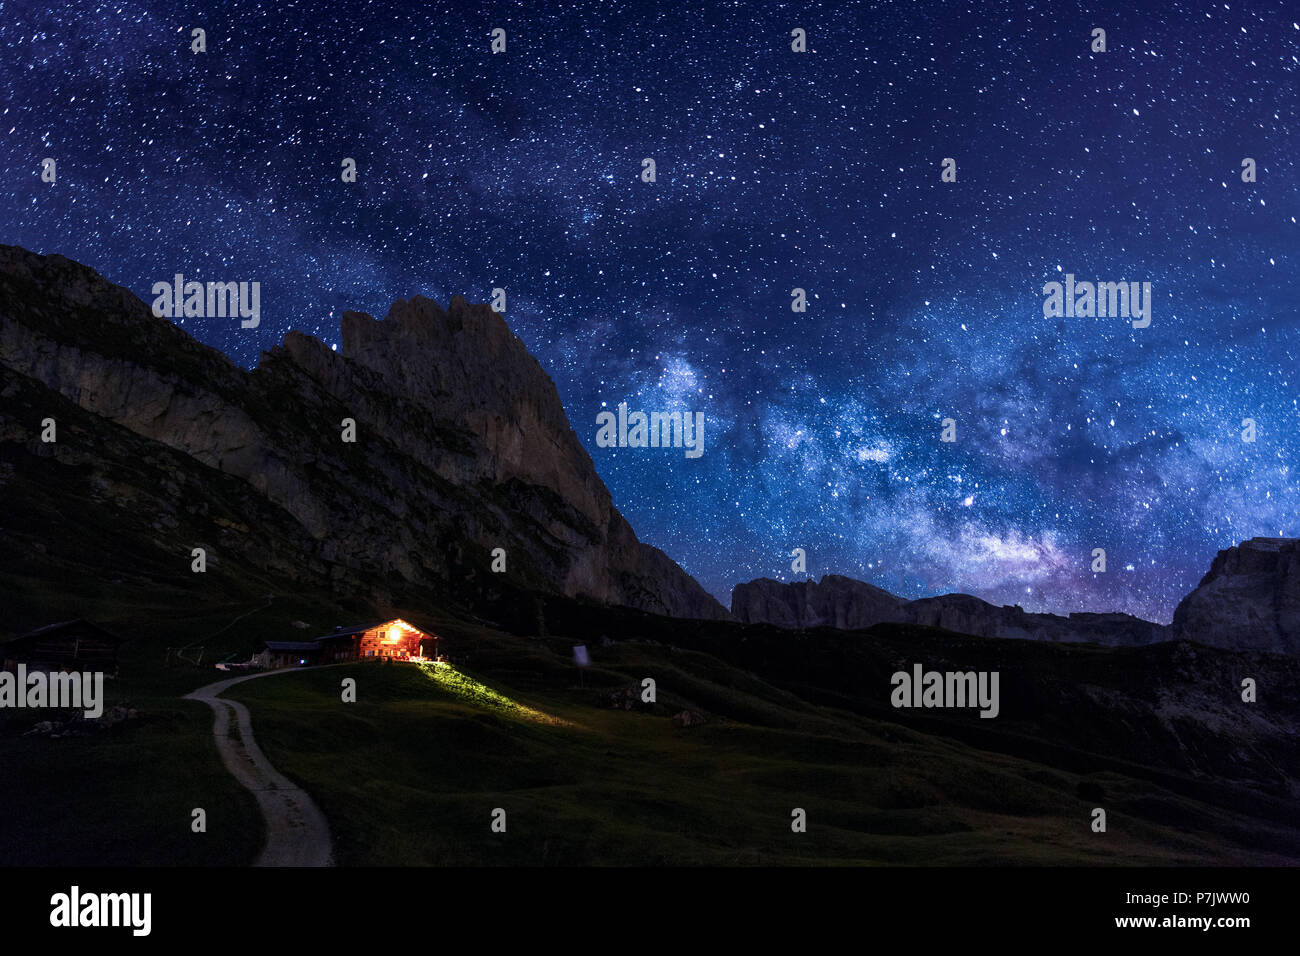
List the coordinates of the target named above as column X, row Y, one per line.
column 462, row 446
column 1249, row 600
column 842, row 602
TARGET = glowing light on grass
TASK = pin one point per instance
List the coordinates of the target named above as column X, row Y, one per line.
column 453, row 681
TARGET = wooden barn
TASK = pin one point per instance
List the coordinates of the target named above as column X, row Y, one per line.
column 75, row 645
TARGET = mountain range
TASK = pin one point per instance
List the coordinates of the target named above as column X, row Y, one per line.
column 1248, row 600
column 126, row 445
column 460, row 446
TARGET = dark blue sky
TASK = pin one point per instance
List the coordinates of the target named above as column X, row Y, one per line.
column 775, row 170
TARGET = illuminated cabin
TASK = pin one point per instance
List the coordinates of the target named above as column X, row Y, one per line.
column 394, row 640
column 382, row 640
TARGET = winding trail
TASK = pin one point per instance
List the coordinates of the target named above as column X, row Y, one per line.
column 297, row 833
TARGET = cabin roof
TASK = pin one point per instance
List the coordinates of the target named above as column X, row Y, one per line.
column 291, row 645
column 354, row 629
column 52, row 629
column 362, row 628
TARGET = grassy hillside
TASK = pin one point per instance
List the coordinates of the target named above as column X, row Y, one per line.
column 124, row 797
column 411, row 773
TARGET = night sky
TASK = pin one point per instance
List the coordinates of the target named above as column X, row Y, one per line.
column 775, row 170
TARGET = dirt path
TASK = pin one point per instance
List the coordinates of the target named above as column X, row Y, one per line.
column 296, row 831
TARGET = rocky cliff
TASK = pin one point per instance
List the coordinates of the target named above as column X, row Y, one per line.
column 462, row 444
column 835, row 601
column 843, row 602
column 1249, row 599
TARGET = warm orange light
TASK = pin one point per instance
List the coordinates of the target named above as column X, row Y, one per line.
column 394, row 631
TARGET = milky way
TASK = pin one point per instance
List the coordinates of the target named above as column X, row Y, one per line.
column 775, row 170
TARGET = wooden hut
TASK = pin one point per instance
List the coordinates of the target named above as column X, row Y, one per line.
column 77, row 645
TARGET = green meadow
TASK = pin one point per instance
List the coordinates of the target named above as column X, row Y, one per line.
column 413, row 770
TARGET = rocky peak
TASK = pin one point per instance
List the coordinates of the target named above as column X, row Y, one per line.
column 835, row 601
column 1249, row 599
column 465, row 365
column 462, row 441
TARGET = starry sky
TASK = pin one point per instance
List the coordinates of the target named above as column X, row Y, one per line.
column 775, row 170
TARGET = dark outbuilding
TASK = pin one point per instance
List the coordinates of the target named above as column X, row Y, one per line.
column 76, row 645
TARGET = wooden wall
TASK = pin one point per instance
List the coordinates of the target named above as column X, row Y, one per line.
column 375, row 643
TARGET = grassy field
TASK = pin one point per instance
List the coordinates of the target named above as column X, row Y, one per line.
column 124, row 797
column 411, row 772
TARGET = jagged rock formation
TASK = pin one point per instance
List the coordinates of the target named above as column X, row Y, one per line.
column 835, row 601
column 462, row 444
column 842, row 602
column 1249, row 599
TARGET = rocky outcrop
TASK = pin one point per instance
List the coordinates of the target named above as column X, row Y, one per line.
column 1249, row 599
column 845, row 603
column 462, row 445
column 835, row 601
